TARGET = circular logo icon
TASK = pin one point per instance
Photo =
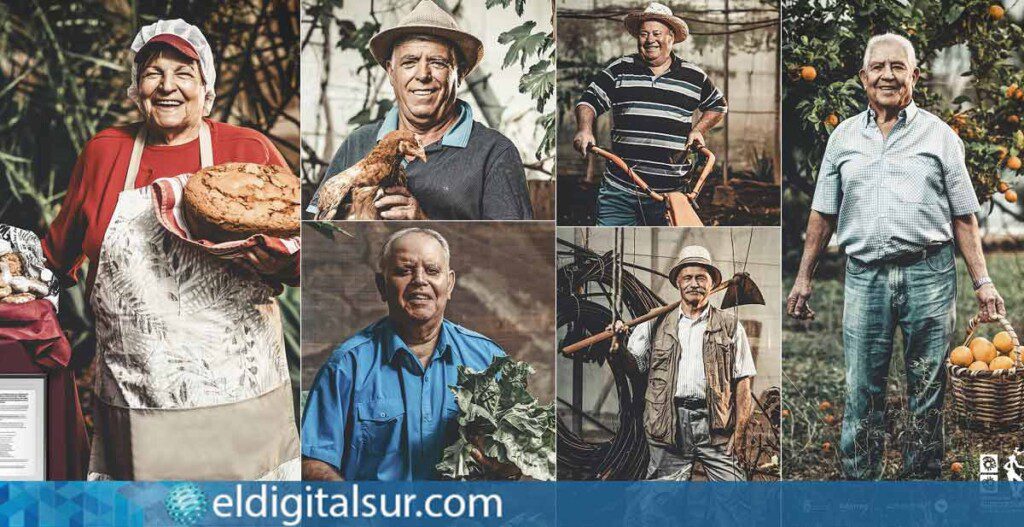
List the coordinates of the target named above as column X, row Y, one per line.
column 186, row 503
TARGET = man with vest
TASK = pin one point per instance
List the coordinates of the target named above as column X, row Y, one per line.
column 699, row 374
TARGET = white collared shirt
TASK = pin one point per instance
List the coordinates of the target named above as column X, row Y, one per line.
column 691, row 381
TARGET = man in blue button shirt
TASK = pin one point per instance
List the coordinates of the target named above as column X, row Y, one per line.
column 380, row 407
column 894, row 187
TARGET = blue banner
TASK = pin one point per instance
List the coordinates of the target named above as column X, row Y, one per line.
column 510, row 504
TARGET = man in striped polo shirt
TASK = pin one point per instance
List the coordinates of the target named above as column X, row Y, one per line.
column 653, row 95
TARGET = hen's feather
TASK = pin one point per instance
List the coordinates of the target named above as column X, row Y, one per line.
column 380, row 168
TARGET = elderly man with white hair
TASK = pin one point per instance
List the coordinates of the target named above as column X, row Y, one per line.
column 894, row 187
column 381, row 407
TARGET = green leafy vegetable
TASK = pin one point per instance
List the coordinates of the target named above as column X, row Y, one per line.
column 503, row 418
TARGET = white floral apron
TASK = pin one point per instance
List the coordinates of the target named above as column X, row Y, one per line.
column 191, row 377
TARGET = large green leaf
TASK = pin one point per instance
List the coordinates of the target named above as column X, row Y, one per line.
column 497, row 411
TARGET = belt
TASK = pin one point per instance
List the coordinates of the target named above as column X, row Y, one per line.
column 907, row 259
column 691, row 403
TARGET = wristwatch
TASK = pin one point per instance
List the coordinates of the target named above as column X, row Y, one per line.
column 981, row 282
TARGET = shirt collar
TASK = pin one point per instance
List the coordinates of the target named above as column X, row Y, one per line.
column 907, row 114
column 702, row 316
column 457, row 136
column 392, row 342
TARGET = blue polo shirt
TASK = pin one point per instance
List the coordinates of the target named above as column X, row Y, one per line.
column 375, row 414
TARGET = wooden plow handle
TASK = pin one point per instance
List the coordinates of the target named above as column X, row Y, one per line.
column 708, row 167
column 625, row 168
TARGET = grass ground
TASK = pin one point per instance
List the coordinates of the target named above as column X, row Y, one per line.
column 813, row 378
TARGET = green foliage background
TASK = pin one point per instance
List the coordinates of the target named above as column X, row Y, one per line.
column 830, row 36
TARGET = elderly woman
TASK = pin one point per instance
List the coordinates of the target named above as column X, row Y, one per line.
column 191, row 377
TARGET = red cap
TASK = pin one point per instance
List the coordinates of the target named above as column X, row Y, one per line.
column 175, row 42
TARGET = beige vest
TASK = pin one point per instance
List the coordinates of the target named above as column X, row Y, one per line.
column 719, row 358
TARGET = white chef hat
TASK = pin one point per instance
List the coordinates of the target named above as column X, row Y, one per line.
column 187, row 39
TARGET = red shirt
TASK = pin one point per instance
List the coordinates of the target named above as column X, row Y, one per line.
column 99, row 176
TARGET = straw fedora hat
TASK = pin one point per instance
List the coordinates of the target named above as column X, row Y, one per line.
column 662, row 14
column 428, row 19
column 695, row 255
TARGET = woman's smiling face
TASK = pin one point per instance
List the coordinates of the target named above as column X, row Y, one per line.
column 171, row 90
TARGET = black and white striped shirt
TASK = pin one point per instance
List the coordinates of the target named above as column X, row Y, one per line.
column 652, row 117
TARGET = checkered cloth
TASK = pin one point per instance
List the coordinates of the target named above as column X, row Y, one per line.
column 894, row 195
column 167, row 199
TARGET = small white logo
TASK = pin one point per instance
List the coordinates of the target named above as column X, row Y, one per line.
column 1013, row 466
column 988, row 464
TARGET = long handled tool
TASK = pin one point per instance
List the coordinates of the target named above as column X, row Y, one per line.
column 739, row 290
column 680, row 208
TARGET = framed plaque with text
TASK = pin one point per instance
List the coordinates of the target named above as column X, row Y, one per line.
column 22, row 427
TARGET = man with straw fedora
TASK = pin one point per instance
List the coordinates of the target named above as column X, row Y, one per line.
column 653, row 95
column 471, row 172
column 699, row 374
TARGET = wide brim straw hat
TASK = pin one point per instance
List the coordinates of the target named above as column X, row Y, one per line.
column 430, row 20
column 695, row 255
column 661, row 13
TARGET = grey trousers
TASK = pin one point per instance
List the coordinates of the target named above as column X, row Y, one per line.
column 693, row 443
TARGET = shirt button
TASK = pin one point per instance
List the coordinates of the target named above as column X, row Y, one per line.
column 382, row 414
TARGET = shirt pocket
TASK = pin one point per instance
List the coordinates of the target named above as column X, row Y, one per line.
column 380, row 426
column 912, row 182
column 450, row 421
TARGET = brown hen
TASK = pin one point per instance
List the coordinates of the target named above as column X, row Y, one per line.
column 380, row 169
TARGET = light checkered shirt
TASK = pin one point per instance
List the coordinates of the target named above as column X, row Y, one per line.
column 896, row 195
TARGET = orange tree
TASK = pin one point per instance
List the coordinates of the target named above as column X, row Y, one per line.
column 823, row 49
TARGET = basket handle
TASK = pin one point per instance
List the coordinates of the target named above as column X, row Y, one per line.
column 976, row 321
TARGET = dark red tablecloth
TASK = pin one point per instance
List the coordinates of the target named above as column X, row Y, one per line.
column 35, row 325
column 42, row 348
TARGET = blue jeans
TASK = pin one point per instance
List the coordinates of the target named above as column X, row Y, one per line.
column 617, row 208
column 919, row 299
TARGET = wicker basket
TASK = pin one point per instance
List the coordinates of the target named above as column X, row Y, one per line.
column 989, row 401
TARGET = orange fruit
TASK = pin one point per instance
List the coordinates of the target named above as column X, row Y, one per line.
column 1018, row 94
column 961, row 356
column 978, row 366
column 824, row 406
column 830, row 419
column 983, row 350
column 1003, row 342
column 957, row 467
column 1012, row 119
column 1013, row 163
column 785, row 413
column 996, row 11
column 1001, row 362
column 808, row 73
column 1010, row 90
column 1010, row 195
column 832, row 119
column 1012, row 355
column 826, row 446
column 1003, row 187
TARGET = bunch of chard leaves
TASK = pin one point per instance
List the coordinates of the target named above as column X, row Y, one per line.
column 504, row 420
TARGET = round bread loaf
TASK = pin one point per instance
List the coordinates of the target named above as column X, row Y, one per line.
column 236, row 200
